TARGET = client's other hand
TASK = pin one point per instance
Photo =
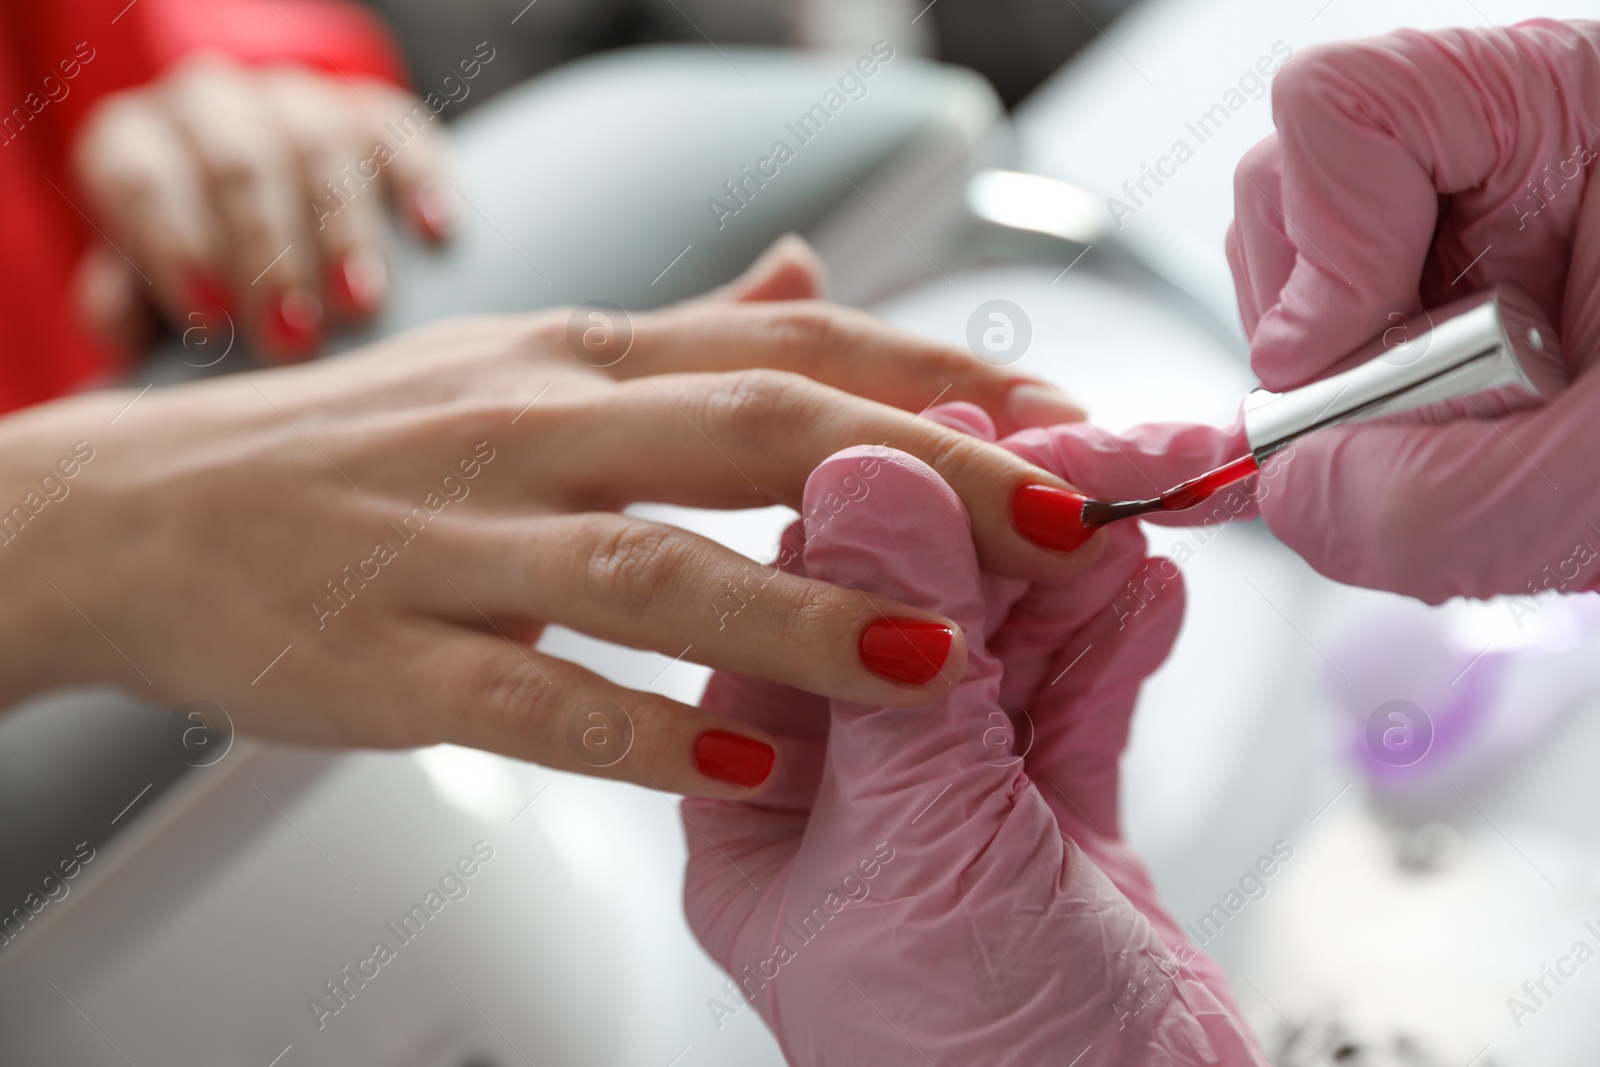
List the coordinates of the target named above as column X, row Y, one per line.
column 238, row 190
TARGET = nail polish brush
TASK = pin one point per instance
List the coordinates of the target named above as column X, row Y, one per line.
column 1485, row 355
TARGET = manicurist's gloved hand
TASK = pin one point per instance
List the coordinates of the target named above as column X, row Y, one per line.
column 912, row 892
column 1421, row 167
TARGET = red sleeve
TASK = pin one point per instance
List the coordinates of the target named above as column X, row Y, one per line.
column 57, row 59
column 93, row 47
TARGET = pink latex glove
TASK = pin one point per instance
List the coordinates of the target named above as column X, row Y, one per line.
column 906, row 893
column 1408, row 170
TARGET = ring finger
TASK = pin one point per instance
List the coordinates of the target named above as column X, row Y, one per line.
column 654, row 586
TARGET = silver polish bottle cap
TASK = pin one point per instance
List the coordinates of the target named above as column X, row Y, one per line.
column 1486, row 355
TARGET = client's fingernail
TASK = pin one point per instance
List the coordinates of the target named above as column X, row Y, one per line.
column 204, row 292
column 1049, row 517
column 292, row 324
column 1040, row 404
column 432, row 210
column 908, row 651
column 730, row 757
column 357, row 281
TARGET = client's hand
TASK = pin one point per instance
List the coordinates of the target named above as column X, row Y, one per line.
column 364, row 551
column 910, row 892
column 255, row 191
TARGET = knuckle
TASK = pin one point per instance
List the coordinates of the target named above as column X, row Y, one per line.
column 630, row 565
column 754, row 407
column 803, row 610
column 511, row 693
column 806, row 334
column 954, row 455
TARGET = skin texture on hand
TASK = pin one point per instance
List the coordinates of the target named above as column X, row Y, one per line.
column 252, row 192
column 1407, row 171
column 364, row 551
column 912, row 892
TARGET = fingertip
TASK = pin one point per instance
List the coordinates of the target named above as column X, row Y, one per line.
column 919, row 656
column 796, row 271
column 965, row 417
column 789, row 269
column 1050, row 517
column 1034, row 404
column 291, row 325
column 431, row 209
column 357, row 282
column 735, row 762
column 204, row 291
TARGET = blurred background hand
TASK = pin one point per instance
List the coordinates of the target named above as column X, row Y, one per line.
column 255, row 194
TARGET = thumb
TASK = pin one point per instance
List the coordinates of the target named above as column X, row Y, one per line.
column 896, row 771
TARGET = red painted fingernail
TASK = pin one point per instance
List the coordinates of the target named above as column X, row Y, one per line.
column 292, row 324
column 432, row 210
column 1049, row 517
column 357, row 282
column 908, row 651
column 204, row 291
column 729, row 757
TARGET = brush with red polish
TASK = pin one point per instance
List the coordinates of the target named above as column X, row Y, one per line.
column 1486, row 355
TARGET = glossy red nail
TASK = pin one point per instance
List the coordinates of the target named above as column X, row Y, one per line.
column 908, row 651
column 357, row 282
column 1049, row 517
column 432, row 210
column 730, row 757
column 292, row 324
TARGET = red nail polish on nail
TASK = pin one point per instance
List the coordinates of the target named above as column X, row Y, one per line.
column 204, row 292
column 1049, row 517
column 432, row 210
column 730, row 757
column 908, row 651
column 292, row 324
column 357, row 282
